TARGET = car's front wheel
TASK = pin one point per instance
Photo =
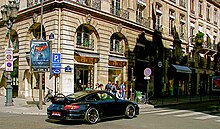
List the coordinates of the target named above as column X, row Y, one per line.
column 130, row 111
column 92, row 115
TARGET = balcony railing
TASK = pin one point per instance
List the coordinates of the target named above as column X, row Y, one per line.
column 96, row 4
column 85, row 43
column 119, row 12
column 159, row 28
column 143, row 21
column 31, row 3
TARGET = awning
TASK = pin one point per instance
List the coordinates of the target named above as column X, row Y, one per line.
column 182, row 69
column 115, row 58
column 85, row 54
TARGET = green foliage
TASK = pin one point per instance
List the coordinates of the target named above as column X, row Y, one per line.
column 199, row 38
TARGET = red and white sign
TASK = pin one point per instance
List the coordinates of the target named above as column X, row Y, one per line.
column 9, row 65
column 8, row 60
column 147, row 72
column 8, row 55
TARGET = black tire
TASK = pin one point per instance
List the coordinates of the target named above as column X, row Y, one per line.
column 92, row 115
column 130, row 111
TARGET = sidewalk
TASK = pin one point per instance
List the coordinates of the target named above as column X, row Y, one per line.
column 22, row 107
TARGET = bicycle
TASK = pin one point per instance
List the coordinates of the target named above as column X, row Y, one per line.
column 50, row 97
column 151, row 99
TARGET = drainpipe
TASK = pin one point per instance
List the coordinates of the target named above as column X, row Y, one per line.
column 58, row 49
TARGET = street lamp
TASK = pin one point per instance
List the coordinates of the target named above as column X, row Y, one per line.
column 9, row 14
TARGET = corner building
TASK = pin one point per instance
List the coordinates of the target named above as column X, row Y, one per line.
column 96, row 40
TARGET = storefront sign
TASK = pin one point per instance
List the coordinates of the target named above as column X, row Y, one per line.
column 87, row 60
column 117, row 63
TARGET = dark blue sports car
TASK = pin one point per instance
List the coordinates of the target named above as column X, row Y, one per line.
column 91, row 106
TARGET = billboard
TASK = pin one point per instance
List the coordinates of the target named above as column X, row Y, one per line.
column 40, row 55
column 216, row 83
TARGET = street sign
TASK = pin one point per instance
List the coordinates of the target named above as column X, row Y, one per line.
column 56, row 65
column 68, row 69
column 9, row 65
column 8, row 55
column 55, row 71
column 147, row 72
column 56, row 58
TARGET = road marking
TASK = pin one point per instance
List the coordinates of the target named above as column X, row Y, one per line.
column 205, row 117
column 172, row 112
column 218, row 120
column 189, row 114
column 155, row 111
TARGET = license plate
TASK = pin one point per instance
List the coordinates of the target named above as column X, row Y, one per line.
column 56, row 114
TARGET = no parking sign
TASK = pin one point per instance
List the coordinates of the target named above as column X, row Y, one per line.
column 147, row 72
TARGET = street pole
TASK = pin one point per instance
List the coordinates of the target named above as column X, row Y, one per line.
column 9, row 14
column 40, row 74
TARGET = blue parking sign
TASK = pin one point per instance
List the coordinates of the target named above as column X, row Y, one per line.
column 56, row 58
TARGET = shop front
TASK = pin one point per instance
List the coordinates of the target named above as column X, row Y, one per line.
column 84, row 69
column 179, row 78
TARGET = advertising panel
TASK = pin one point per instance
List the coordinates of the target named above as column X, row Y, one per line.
column 40, row 55
column 216, row 83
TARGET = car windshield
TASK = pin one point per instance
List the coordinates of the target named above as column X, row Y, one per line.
column 77, row 95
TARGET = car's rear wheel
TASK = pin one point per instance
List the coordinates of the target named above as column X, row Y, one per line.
column 92, row 115
column 130, row 111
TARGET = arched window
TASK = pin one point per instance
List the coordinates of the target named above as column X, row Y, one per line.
column 117, row 43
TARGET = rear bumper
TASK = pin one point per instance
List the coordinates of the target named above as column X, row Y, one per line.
column 68, row 115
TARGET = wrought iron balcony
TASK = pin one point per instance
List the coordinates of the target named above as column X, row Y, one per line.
column 159, row 28
column 85, row 43
column 96, row 4
column 31, row 3
column 143, row 21
column 119, row 12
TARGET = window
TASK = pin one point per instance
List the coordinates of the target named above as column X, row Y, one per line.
column 139, row 13
column 192, row 6
column 182, row 26
column 200, row 8
column 214, row 43
column 115, row 7
column 93, row 97
column 208, row 13
column 171, row 21
column 191, row 33
column 215, row 17
column 182, row 3
column 158, row 17
column 84, row 38
column 105, row 96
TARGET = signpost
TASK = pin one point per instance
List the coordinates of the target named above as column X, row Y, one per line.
column 56, row 65
column 8, row 60
column 147, row 73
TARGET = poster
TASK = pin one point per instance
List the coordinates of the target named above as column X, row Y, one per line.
column 216, row 83
column 40, row 53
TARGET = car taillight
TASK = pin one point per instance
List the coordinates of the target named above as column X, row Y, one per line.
column 71, row 107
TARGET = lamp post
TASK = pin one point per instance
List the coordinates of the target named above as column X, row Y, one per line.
column 190, row 85
column 9, row 14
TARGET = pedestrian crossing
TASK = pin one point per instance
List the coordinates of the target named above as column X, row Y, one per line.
column 183, row 113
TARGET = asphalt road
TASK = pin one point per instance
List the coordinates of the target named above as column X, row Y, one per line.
column 154, row 118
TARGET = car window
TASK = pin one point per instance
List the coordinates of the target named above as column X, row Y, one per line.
column 105, row 96
column 92, row 97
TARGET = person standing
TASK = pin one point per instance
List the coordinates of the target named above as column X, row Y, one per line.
column 108, row 86
column 122, row 90
column 88, row 87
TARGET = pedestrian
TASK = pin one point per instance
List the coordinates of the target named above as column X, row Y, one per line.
column 114, row 89
column 122, row 91
column 88, row 87
column 108, row 86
